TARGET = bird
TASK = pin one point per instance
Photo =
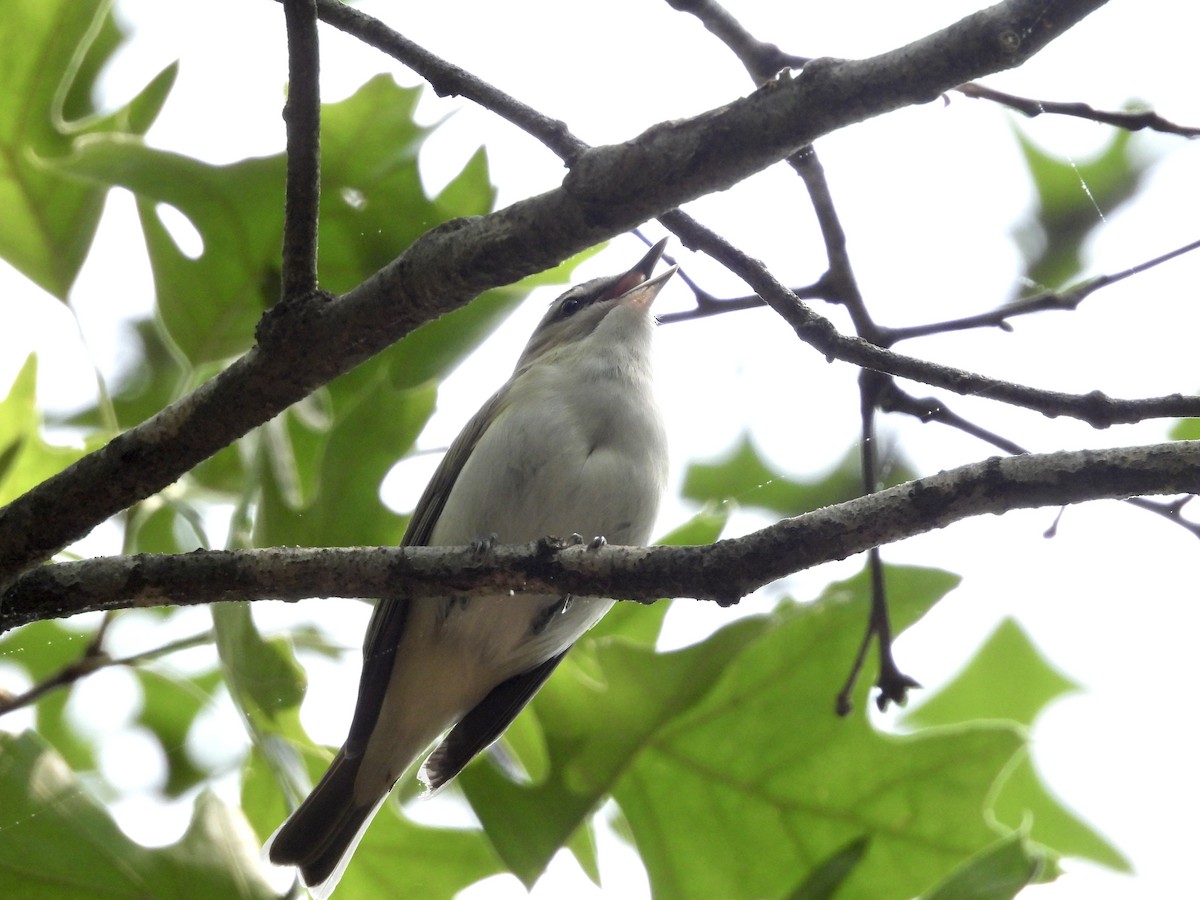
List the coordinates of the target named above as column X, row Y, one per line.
column 572, row 444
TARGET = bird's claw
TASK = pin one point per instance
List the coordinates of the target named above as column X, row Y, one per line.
column 482, row 547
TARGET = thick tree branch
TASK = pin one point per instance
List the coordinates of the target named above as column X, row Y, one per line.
column 723, row 572
column 609, row 191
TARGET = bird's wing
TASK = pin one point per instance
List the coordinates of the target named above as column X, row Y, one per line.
column 485, row 722
column 387, row 623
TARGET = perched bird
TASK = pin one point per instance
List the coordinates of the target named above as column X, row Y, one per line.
column 573, row 443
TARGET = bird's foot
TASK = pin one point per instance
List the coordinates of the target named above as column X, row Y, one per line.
column 483, row 546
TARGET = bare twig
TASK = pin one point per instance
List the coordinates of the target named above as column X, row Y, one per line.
column 930, row 409
column 92, row 660
column 837, row 285
column 1130, row 121
column 1068, row 299
column 448, row 80
column 762, row 60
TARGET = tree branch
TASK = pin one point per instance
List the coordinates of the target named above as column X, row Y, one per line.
column 1096, row 408
column 723, row 572
column 302, row 113
column 610, row 190
column 1130, row 121
column 762, row 60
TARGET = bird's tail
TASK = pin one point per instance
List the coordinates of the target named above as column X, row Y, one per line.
column 320, row 836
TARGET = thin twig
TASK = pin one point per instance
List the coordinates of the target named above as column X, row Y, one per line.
column 930, row 409
column 448, row 80
column 1066, row 300
column 762, row 60
column 92, row 660
column 1130, row 121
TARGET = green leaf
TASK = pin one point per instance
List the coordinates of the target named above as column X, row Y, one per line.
column 262, row 675
column 673, row 736
column 170, row 705
column 167, row 527
column 60, row 844
column 266, row 684
column 1186, row 430
column 826, row 879
column 1024, row 801
column 745, row 477
column 989, row 687
column 781, row 784
column 372, row 207
column 49, row 218
column 642, row 623
column 1074, row 198
column 43, row 649
column 998, row 872
column 373, row 425
column 398, row 858
column 152, row 376
column 28, row 458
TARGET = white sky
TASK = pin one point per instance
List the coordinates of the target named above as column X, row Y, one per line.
column 928, row 197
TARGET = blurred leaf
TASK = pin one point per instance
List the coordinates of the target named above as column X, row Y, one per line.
column 398, row 858
column 266, row 684
column 998, row 872
column 28, row 458
column 1073, row 199
column 583, row 847
column 658, row 729
column 638, row 622
column 372, row 201
column 167, row 527
column 151, row 375
column 209, row 304
column 437, row 347
column 827, row 878
column 262, row 799
column 372, row 207
column 775, row 775
column 988, row 689
column 53, row 50
column 170, row 705
column 745, row 477
column 642, row 622
column 263, row 676
column 1010, row 679
column 1186, row 430
column 60, row 844
column 43, row 649
column 1024, row 801
column 373, row 425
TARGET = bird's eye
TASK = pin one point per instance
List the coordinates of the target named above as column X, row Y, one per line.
column 570, row 306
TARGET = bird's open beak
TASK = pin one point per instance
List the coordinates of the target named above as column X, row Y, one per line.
column 636, row 286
